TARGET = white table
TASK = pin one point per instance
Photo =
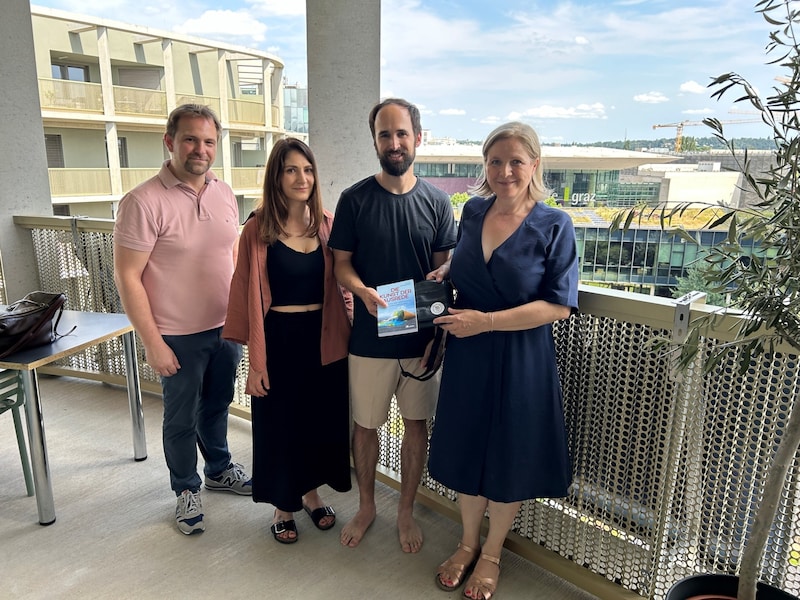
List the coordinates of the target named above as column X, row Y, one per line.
column 91, row 328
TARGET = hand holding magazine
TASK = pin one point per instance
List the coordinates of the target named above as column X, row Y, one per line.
column 412, row 306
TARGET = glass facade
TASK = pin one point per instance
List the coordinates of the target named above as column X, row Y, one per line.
column 295, row 109
column 639, row 260
column 571, row 187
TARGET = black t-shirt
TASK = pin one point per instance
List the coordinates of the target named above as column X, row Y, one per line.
column 392, row 238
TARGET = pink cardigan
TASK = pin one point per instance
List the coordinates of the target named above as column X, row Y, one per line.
column 250, row 299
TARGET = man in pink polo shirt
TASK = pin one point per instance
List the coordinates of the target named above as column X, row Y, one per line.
column 174, row 253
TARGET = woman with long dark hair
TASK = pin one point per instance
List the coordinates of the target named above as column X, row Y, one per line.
column 287, row 307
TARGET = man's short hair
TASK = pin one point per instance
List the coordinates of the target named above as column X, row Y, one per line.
column 191, row 110
column 413, row 111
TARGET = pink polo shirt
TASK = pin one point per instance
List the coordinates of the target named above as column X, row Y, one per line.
column 190, row 238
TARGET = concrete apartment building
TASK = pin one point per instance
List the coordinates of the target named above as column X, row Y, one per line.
column 106, row 88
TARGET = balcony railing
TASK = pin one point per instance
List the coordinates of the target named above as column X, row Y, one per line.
column 79, row 96
column 79, row 182
column 247, row 177
column 60, row 94
column 249, row 111
column 210, row 101
column 140, row 102
column 133, row 177
column 667, row 466
column 97, row 182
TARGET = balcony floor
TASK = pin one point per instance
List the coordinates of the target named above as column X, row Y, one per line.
column 115, row 537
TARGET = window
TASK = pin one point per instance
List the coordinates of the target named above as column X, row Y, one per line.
column 122, row 146
column 54, row 151
column 69, row 72
column 142, row 77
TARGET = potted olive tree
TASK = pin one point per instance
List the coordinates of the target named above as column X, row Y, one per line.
column 758, row 265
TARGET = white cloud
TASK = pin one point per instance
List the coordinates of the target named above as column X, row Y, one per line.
column 452, row 111
column 580, row 111
column 279, row 8
column 228, row 23
column 491, row 120
column 651, row 98
column 608, row 52
column 692, row 87
column 699, row 111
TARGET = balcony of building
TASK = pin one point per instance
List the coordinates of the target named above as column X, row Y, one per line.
column 77, row 99
column 82, row 183
column 667, row 466
column 115, row 537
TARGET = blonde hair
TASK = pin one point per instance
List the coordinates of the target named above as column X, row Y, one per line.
column 530, row 141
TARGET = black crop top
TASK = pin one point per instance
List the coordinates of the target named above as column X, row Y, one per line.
column 295, row 277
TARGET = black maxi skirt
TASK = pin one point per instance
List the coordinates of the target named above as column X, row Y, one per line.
column 301, row 428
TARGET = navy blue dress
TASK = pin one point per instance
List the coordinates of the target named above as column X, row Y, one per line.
column 499, row 428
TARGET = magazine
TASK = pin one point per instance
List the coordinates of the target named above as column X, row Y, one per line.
column 400, row 314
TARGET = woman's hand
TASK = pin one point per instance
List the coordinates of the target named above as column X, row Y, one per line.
column 464, row 322
column 257, row 382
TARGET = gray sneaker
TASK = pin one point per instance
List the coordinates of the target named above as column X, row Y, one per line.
column 189, row 513
column 233, row 479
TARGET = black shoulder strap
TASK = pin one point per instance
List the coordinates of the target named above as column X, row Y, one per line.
column 434, row 358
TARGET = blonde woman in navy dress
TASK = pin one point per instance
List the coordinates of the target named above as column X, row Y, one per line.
column 499, row 436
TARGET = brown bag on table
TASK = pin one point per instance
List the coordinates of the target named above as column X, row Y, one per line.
column 30, row 322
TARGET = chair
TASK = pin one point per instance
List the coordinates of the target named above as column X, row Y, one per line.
column 12, row 398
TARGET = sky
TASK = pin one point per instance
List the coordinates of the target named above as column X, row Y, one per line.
column 578, row 72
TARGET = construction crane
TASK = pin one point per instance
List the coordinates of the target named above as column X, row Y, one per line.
column 679, row 128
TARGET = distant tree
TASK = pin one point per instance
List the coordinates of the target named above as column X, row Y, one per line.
column 551, row 201
column 689, row 144
column 695, row 281
column 459, row 198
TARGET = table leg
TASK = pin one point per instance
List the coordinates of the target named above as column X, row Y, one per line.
column 39, row 462
column 134, row 397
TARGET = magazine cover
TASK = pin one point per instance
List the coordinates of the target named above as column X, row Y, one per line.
column 400, row 316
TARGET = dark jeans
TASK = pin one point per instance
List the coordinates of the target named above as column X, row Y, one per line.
column 196, row 401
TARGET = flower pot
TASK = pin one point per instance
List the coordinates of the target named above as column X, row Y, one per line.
column 719, row 587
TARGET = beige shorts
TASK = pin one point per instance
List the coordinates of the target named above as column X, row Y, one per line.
column 373, row 382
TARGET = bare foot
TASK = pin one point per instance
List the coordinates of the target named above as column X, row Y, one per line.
column 354, row 531
column 410, row 533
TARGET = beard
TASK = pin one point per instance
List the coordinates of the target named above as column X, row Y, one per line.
column 196, row 168
column 396, row 169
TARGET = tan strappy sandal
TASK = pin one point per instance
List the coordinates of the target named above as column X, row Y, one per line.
column 453, row 571
column 484, row 585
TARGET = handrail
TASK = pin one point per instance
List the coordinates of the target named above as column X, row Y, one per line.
column 667, row 466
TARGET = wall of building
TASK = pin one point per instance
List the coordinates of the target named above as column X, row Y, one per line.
column 23, row 165
column 145, row 150
column 343, row 63
column 83, row 148
column 702, row 187
column 93, row 210
column 195, row 73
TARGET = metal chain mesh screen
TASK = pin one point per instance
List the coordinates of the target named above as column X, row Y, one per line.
column 81, row 264
column 667, row 467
